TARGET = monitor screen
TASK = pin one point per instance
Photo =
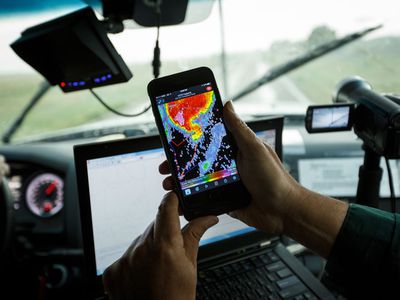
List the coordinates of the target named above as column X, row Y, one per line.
column 331, row 117
column 125, row 192
column 338, row 176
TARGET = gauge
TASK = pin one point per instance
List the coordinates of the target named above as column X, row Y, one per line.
column 44, row 195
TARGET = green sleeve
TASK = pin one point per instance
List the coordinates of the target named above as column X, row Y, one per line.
column 365, row 258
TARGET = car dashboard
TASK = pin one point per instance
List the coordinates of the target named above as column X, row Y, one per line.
column 39, row 169
column 51, row 233
column 46, row 236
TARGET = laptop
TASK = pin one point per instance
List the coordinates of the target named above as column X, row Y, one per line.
column 119, row 193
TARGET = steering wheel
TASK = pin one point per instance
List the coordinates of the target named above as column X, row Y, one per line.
column 6, row 220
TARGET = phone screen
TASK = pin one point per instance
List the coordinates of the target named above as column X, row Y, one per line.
column 197, row 139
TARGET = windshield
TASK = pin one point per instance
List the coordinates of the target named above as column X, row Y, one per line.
column 240, row 41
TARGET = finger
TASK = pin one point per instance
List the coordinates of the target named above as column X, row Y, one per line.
column 110, row 281
column 273, row 153
column 163, row 168
column 233, row 214
column 193, row 232
column 168, row 183
column 243, row 135
column 167, row 224
column 107, row 279
column 239, row 214
column 148, row 234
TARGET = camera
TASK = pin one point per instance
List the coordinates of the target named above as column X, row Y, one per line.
column 374, row 117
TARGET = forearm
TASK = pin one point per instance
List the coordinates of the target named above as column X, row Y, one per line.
column 365, row 259
column 314, row 220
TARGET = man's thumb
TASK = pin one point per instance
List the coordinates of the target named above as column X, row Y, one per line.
column 193, row 232
column 242, row 134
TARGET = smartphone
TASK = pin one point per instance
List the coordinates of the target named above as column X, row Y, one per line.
column 328, row 118
column 201, row 152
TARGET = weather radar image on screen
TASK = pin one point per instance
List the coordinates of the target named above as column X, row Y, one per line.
column 197, row 138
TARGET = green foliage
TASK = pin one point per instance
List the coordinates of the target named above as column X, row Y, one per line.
column 58, row 110
column 376, row 60
column 320, row 35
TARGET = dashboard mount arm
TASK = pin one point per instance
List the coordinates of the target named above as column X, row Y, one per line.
column 369, row 178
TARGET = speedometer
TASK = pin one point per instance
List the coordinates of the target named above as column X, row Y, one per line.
column 44, row 195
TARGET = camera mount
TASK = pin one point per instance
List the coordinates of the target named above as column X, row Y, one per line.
column 377, row 124
column 376, row 121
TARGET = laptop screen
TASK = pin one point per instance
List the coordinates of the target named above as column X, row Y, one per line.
column 125, row 192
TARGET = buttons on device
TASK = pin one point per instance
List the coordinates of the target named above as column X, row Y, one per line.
column 194, row 189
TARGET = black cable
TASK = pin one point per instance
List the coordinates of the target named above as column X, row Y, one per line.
column 156, row 67
column 115, row 111
column 156, row 53
column 392, row 195
column 156, row 59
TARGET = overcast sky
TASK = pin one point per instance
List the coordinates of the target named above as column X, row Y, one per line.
column 249, row 25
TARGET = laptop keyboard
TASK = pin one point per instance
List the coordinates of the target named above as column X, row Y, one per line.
column 264, row 276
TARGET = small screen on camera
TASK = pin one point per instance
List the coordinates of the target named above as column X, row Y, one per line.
column 330, row 117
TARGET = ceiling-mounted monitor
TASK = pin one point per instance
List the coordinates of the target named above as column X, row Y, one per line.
column 73, row 52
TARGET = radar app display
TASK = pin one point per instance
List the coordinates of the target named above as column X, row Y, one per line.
column 197, row 138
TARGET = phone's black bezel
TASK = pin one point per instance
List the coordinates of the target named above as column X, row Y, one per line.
column 309, row 118
column 215, row 201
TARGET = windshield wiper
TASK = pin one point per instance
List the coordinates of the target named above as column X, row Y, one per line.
column 319, row 51
column 43, row 89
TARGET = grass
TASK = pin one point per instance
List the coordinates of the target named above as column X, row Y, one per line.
column 58, row 110
column 375, row 60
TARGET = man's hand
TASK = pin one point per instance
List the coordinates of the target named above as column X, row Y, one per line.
column 270, row 185
column 279, row 205
column 162, row 262
column 261, row 171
